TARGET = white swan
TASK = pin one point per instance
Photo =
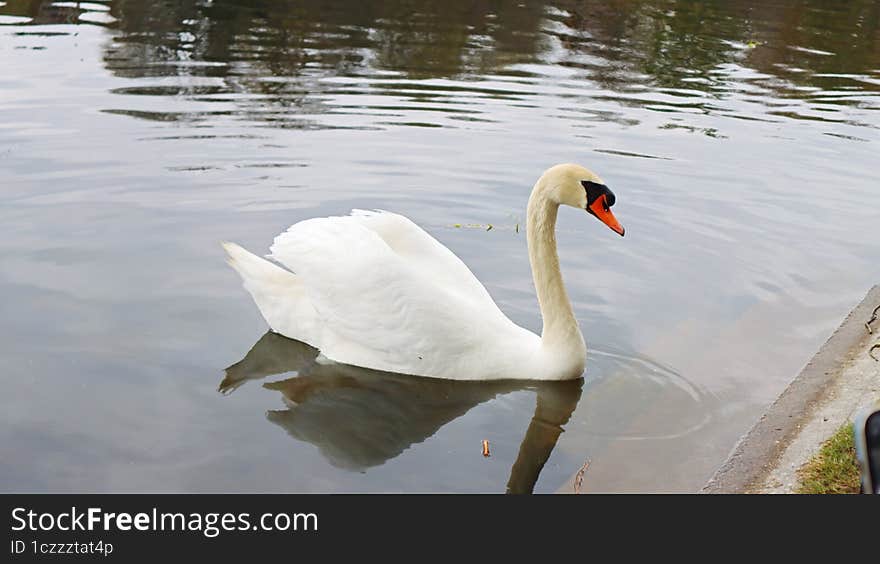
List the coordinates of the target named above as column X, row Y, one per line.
column 373, row 289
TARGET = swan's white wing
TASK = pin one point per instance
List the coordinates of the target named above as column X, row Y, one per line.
column 419, row 249
column 388, row 296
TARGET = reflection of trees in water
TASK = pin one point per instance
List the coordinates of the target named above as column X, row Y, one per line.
column 617, row 43
column 268, row 38
column 666, row 40
column 41, row 12
column 849, row 31
column 681, row 44
column 281, row 48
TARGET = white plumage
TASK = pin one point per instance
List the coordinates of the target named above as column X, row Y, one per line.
column 373, row 289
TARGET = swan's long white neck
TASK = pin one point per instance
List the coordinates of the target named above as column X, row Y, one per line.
column 561, row 333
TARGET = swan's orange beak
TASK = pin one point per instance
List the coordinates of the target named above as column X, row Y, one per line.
column 600, row 209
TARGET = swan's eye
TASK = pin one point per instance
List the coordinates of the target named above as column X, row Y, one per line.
column 609, row 197
column 595, row 190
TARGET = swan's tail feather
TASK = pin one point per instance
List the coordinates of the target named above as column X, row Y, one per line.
column 250, row 266
column 276, row 291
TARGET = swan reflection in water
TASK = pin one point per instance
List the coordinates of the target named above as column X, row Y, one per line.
column 360, row 418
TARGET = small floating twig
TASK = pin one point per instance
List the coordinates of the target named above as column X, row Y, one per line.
column 484, row 226
column 579, row 477
column 485, row 448
column 872, row 320
column 871, row 352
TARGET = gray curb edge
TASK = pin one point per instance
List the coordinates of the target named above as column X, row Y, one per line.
column 753, row 456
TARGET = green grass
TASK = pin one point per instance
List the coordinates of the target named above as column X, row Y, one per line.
column 833, row 470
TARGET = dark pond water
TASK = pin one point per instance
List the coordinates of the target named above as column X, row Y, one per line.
column 741, row 139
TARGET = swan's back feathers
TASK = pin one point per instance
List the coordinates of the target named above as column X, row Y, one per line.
column 400, row 235
column 387, row 294
column 416, row 246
